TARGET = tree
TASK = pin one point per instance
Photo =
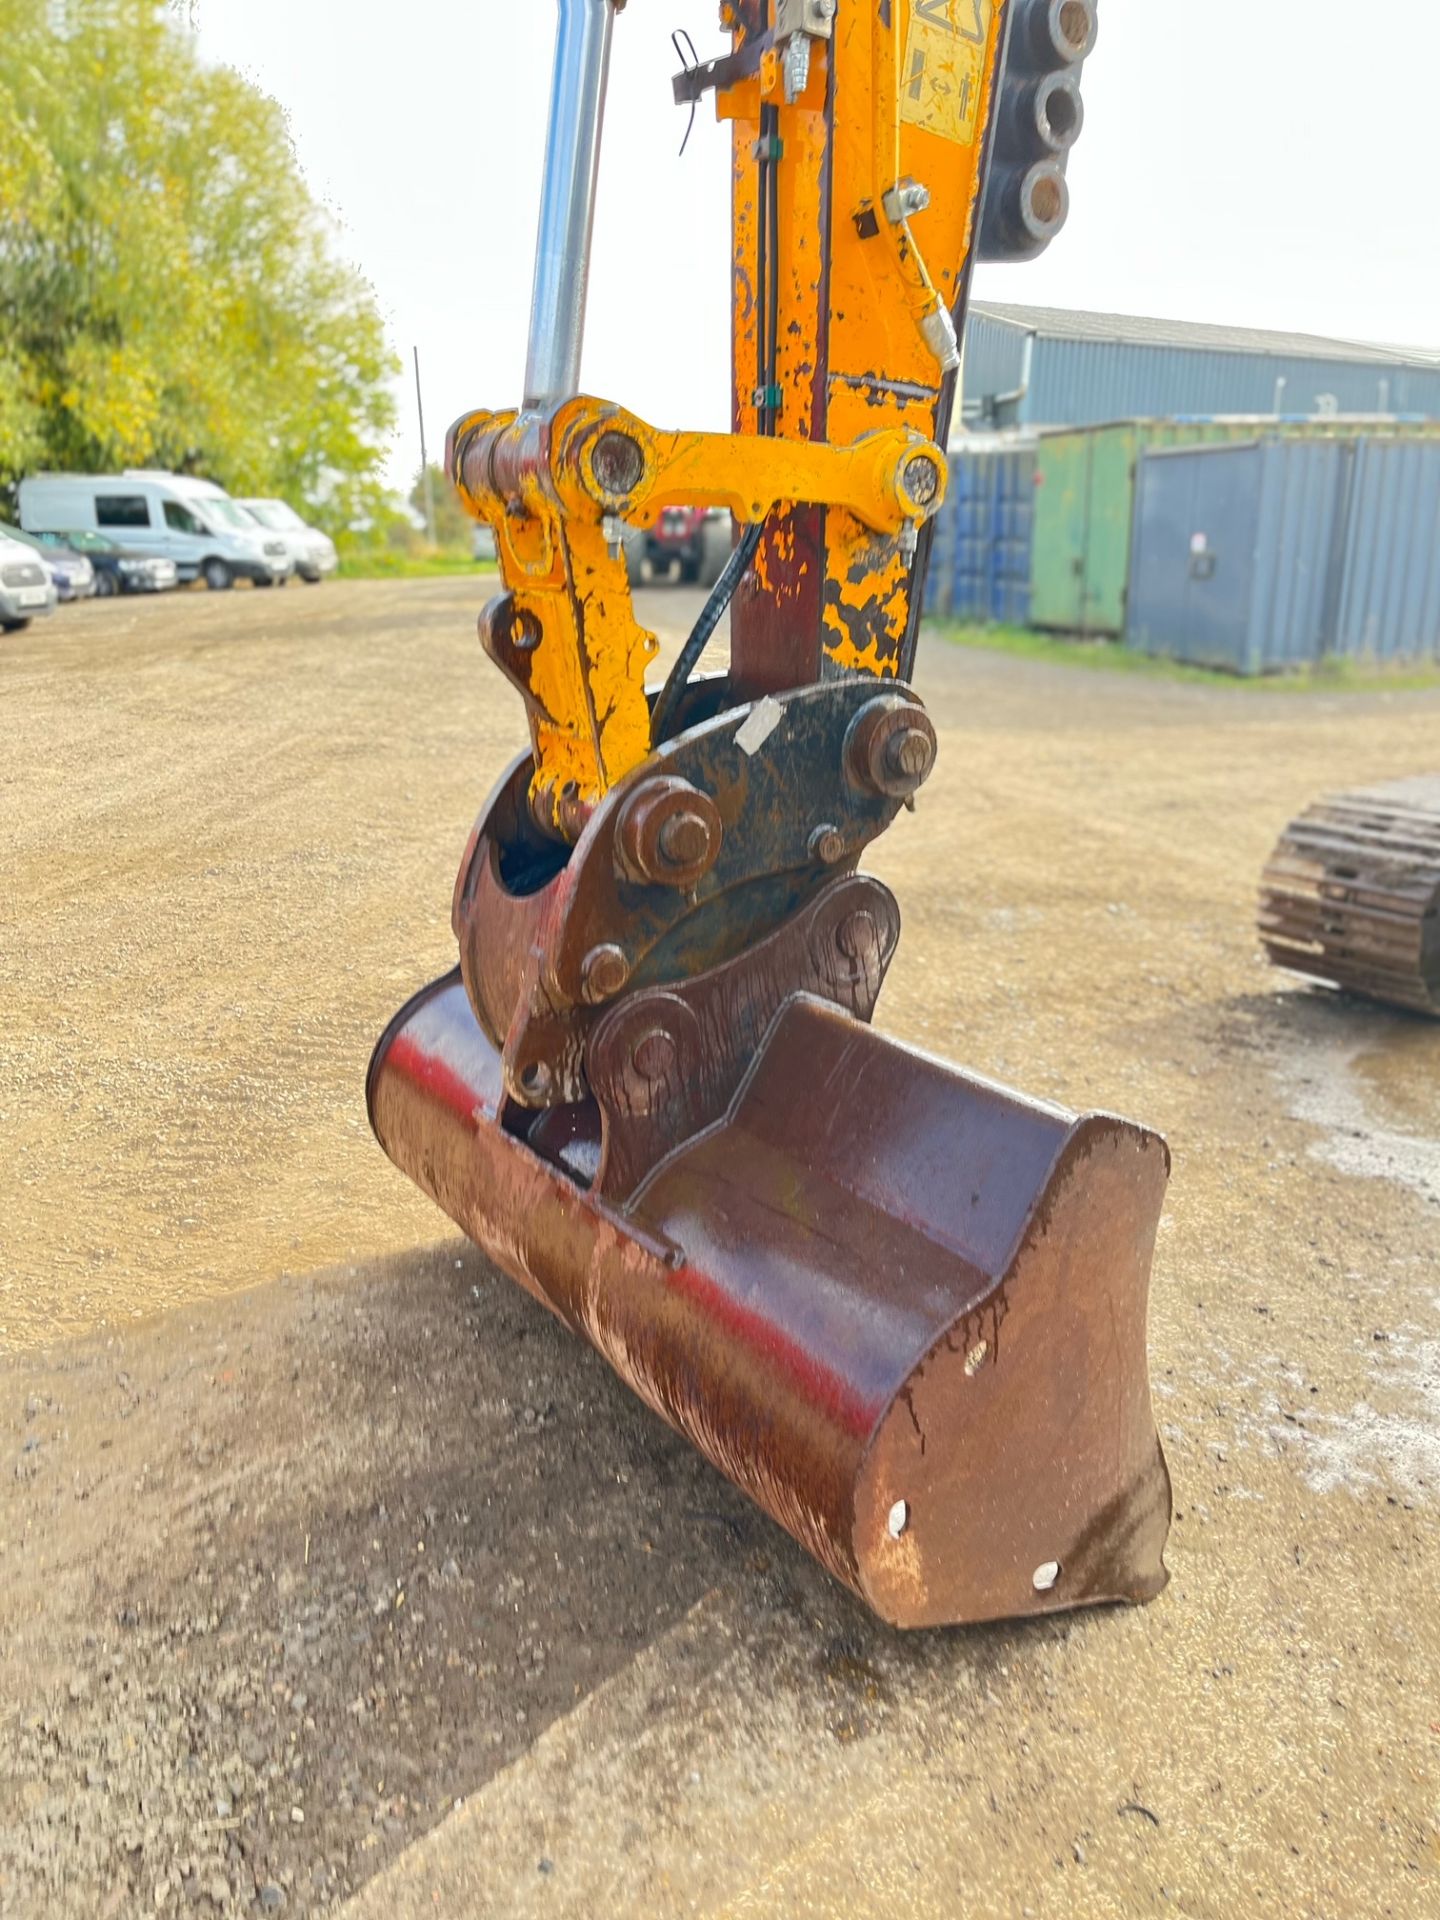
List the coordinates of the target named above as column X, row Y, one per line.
column 170, row 292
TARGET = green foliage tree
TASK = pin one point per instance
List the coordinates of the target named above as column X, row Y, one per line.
column 170, row 293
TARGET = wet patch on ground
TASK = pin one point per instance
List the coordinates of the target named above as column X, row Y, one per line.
column 1367, row 1079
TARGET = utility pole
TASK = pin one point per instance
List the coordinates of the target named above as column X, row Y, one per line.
column 424, row 460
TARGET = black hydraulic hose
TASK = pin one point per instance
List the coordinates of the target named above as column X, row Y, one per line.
column 710, row 616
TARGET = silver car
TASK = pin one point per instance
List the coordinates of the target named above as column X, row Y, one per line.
column 72, row 573
column 26, row 588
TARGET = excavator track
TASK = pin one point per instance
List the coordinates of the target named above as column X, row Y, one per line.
column 1351, row 894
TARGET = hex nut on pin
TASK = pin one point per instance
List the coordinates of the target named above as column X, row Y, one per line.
column 603, row 973
column 827, row 845
column 910, row 756
column 891, row 747
column 669, row 834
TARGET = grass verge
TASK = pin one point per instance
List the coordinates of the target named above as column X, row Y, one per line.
column 385, row 565
column 1108, row 656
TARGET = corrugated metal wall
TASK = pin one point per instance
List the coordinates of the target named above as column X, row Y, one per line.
column 1085, row 506
column 1390, row 604
column 1283, row 553
column 981, row 557
column 1088, row 382
column 994, row 363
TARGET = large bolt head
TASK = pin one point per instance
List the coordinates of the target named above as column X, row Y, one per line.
column 891, row 747
column 685, row 840
column 669, row 835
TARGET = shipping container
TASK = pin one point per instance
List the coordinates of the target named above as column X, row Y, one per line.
column 1283, row 553
column 1085, row 505
column 1390, row 599
column 980, row 560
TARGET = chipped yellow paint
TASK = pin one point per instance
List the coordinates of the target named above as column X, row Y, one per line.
column 584, row 679
column 903, row 89
column 880, row 367
column 868, row 608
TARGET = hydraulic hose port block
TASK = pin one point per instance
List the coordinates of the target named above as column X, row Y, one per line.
column 1040, row 116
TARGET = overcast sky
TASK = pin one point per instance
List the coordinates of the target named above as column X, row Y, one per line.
column 1265, row 162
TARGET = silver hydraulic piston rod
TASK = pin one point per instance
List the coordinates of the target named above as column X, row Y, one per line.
column 567, row 204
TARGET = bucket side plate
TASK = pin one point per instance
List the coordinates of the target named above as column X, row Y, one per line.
column 900, row 1307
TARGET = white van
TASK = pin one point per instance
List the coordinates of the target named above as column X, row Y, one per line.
column 192, row 522
column 312, row 551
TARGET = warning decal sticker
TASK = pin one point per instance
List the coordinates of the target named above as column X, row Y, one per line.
column 942, row 76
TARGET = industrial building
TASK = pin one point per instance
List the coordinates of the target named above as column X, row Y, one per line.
column 1048, row 367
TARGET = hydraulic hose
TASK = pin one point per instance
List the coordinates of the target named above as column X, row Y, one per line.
column 721, row 594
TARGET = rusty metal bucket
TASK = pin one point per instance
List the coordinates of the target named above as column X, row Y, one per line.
column 902, row 1308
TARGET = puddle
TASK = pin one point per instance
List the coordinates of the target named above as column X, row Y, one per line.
column 1400, row 1083
column 1377, row 1107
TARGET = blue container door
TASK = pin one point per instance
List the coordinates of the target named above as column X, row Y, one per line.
column 1192, row 576
column 1389, row 603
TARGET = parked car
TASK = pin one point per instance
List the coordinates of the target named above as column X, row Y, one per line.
column 117, row 569
column 25, row 587
column 71, row 573
column 312, row 552
column 192, row 522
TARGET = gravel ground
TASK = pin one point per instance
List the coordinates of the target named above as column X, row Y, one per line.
column 313, row 1526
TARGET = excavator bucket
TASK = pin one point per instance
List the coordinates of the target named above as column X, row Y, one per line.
column 1351, row 894
column 901, row 1307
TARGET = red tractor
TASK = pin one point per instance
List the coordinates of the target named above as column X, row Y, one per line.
column 688, row 543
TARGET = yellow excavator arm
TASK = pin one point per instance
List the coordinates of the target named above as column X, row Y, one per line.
column 901, row 1307
column 861, row 135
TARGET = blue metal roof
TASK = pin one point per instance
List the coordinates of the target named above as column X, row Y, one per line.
column 1037, row 366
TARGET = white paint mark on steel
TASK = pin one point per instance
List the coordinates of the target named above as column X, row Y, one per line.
column 764, row 717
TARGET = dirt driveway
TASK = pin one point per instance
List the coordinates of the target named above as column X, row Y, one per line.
column 311, row 1526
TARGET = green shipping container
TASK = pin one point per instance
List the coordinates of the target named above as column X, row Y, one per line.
column 1085, row 505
